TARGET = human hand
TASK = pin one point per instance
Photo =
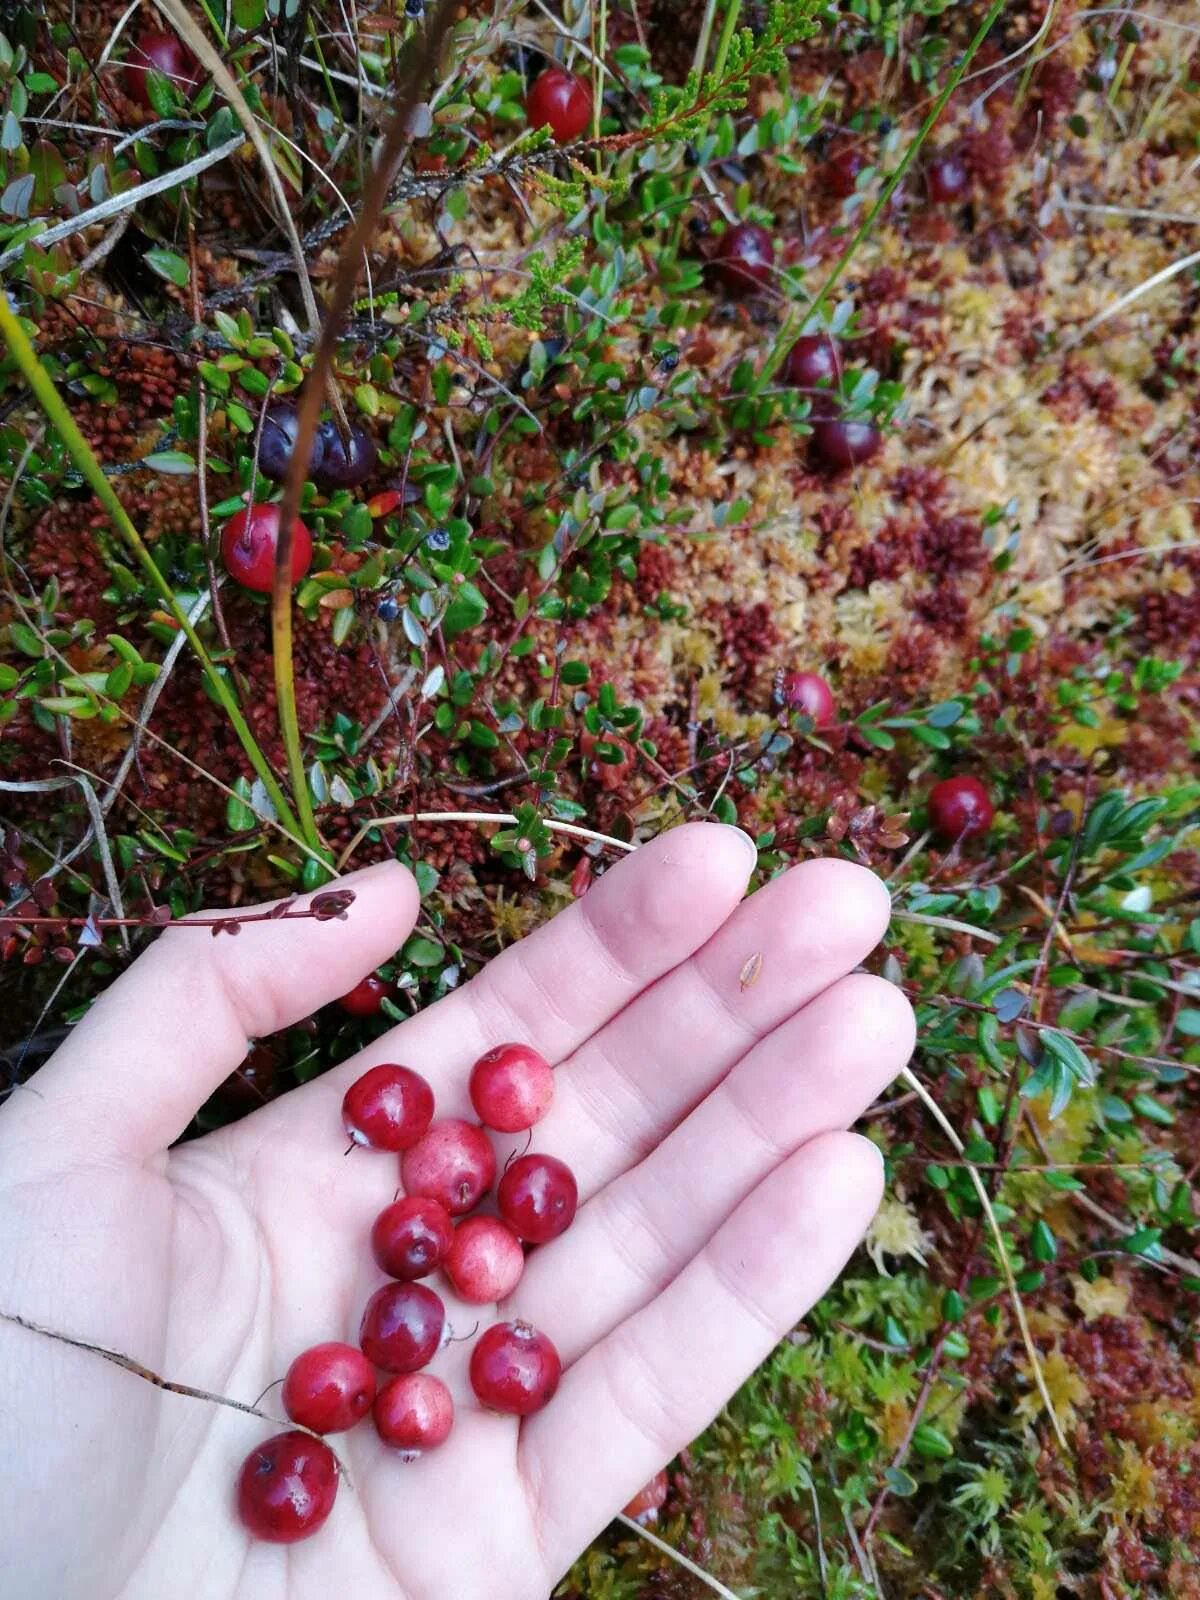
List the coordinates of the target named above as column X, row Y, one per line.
column 718, row 1199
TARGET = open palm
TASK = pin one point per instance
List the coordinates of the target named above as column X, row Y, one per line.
column 718, row 1199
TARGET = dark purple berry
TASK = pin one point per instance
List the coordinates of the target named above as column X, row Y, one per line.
column 345, row 466
column 280, row 426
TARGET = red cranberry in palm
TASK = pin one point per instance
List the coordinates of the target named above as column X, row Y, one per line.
column 248, row 544
column 454, row 1164
column 329, row 1388
column 412, row 1237
column 159, row 52
column 560, row 101
column 287, row 1487
column 514, row 1369
column 403, row 1327
column 366, row 998
column 388, row 1108
column 538, row 1197
column 511, row 1087
column 809, row 693
column 745, row 258
column 486, row 1261
column 414, row 1412
column 959, row 808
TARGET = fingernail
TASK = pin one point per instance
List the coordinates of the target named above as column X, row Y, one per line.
column 746, row 840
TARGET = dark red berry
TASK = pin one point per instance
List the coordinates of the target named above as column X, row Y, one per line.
column 287, row 1487
column 840, row 172
column 485, row 1261
column 345, row 465
column 511, row 1087
column 947, row 179
column 159, row 52
column 537, row 1198
column 278, row 444
column 454, row 1163
column 414, row 1412
column 560, row 101
column 808, row 692
column 329, row 1388
column 412, row 1237
column 514, row 1369
column 388, row 1108
column 840, row 443
column 248, row 543
column 649, row 1500
column 402, row 1327
column 960, row 808
column 814, row 362
column 745, row 258
column 366, row 997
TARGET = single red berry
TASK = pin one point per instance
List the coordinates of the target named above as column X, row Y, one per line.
column 511, row 1087
column 454, row 1163
column 514, row 1369
column 159, row 52
column 388, row 1108
column 960, row 808
column 414, row 1412
column 287, row 1487
column 560, row 101
column 845, row 444
column 947, row 179
column 248, row 547
column 412, row 1237
column 841, row 171
column 366, row 997
column 808, row 692
column 402, row 1327
column 815, row 362
column 745, row 258
column 329, row 1388
column 537, row 1198
column 649, row 1500
column 485, row 1261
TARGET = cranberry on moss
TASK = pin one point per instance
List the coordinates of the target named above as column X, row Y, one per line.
column 248, row 543
column 560, row 101
column 345, row 463
column 843, row 443
column 814, row 362
column 809, row 693
column 947, row 179
column 366, row 998
column 841, row 171
column 745, row 258
column 960, row 808
column 159, row 52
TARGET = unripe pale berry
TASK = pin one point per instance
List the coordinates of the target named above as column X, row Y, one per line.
column 538, row 1197
column 414, row 1412
column 454, row 1164
column 287, row 1487
column 514, row 1369
column 389, row 1108
column 329, row 1388
column 511, row 1087
column 486, row 1261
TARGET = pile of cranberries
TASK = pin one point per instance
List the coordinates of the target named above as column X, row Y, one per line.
column 286, row 1487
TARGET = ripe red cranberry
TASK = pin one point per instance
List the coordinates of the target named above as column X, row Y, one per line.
column 560, row 101
column 412, row 1237
column 414, row 1412
column 485, row 1261
column 329, row 1388
column 402, row 1327
column 960, row 808
column 745, row 258
column 278, row 444
column 537, row 1198
column 649, row 1500
column 287, row 1487
column 814, row 362
column 511, row 1087
column 947, row 179
column 248, row 547
column 454, row 1163
column 345, row 465
column 388, row 1108
column 159, row 52
column 366, row 997
column 808, row 692
column 514, row 1369
column 840, row 172
column 840, row 443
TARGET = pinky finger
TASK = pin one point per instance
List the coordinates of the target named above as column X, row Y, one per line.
column 652, row 1385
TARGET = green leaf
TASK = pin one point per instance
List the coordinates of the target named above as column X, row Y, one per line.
column 173, row 463
column 421, row 952
column 238, row 815
column 931, row 1442
column 169, row 266
column 249, row 13
column 1042, row 1244
column 467, row 610
column 1188, row 1022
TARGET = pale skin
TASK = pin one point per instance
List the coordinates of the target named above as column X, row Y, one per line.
column 719, row 1197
